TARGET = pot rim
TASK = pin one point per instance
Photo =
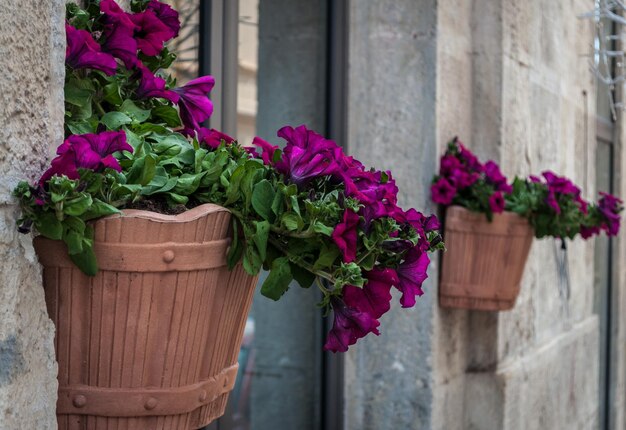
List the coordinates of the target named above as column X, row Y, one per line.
column 189, row 215
column 466, row 213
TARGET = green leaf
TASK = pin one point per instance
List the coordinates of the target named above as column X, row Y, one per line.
column 86, row 261
column 74, row 242
column 236, row 246
column 188, row 183
column 302, row 276
column 177, row 198
column 77, row 96
column 114, row 120
column 112, row 93
column 232, row 193
column 167, row 113
column 262, row 199
column 261, row 236
column 291, row 221
column 277, row 282
column 143, row 170
column 318, row 227
column 328, row 255
column 159, row 184
column 131, row 109
column 49, row 226
column 277, row 202
column 78, row 205
column 252, row 260
column 99, row 209
column 80, row 127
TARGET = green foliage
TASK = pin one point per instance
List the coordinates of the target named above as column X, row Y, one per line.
column 276, row 225
column 529, row 199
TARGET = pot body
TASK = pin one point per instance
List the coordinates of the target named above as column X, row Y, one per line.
column 484, row 262
column 151, row 341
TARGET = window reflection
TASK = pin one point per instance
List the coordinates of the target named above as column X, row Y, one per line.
column 185, row 67
column 247, row 70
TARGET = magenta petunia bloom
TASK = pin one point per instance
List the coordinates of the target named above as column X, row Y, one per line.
column 153, row 86
column 587, row 232
column 345, row 235
column 610, row 206
column 151, row 33
column 84, row 52
column 442, row 192
column 307, row 155
column 469, row 158
column 113, row 14
column 496, row 178
column 561, row 185
column 349, row 325
column 412, row 274
column 461, row 179
column 120, row 43
column 166, row 14
column 267, row 149
column 496, row 202
column 421, row 223
column 213, row 138
column 448, row 164
column 552, row 202
column 194, row 104
column 375, row 296
column 87, row 151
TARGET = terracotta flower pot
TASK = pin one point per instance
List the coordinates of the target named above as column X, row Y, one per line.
column 484, row 262
column 150, row 342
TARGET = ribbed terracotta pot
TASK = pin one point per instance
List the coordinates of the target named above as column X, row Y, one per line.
column 484, row 262
column 150, row 342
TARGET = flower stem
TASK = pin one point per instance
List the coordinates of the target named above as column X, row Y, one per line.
column 99, row 108
column 300, row 262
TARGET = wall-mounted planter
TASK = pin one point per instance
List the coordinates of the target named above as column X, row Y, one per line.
column 484, row 262
column 150, row 342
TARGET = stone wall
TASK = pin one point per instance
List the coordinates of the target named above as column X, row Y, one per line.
column 32, row 49
column 512, row 80
column 392, row 125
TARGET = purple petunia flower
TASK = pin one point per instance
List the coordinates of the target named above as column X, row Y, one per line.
column 307, row 155
column 469, row 158
column 496, row 202
column 610, row 206
column 153, row 86
column 349, row 325
column 113, row 14
column 345, row 235
column 552, row 202
column 587, row 232
column 194, row 104
column 84, row 52
column 411, row 275
column 461, row 179
column 267, row 149
column 87, row 151
column 166, row 14
column 448, row 164
column 151, row 33
column 496, row 178
column 375, row 296
column 442, row 192
column 213, row 138
column 120, row 43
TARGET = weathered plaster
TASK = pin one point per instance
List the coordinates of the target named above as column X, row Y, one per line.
column 32, row 48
